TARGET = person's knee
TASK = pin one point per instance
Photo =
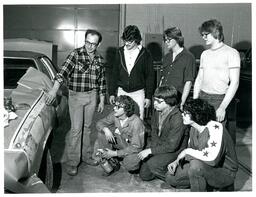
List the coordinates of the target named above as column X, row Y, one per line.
column 195, row 168
column 130, row 163
column 171, row 179
column 145, row 173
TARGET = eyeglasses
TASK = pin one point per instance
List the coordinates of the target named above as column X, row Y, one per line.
column 184, row 112
column 128, row 41
column 91, row 44
column 159, row 101
column 119, row 105
column 205, row 34
column 167, row 40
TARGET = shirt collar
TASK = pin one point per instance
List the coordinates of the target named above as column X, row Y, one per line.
column 139, row 47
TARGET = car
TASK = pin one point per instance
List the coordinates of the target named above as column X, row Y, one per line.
column 28, row 165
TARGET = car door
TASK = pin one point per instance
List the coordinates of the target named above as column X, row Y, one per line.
column 62, row 95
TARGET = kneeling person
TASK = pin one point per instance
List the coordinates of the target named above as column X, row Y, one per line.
column 169, row 136
column 210, row 160
column 121, row 133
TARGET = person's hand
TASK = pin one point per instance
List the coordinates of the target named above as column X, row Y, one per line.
column 181, row 106
column 101, row 107
column 147, row 103
column 50, row 97
column 107, row 153
column 220, row 114
column 109, row 135
column 145, row 153
column 112, row 100
column 172, row 167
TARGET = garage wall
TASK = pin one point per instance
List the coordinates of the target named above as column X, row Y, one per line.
column 155, row 18
column 64, row 25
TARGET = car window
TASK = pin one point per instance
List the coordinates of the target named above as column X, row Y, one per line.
column 49, row 68
column 14, row 69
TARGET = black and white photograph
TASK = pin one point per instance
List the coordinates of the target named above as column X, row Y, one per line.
column 125, row 97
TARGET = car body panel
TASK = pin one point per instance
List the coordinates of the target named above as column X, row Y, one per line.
column 26, row 136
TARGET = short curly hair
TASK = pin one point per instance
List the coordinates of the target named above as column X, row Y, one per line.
column 128, row 102
column 200, row 110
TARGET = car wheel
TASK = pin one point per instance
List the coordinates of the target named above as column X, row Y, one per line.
column 46, row 169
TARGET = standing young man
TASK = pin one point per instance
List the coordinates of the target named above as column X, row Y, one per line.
column 218, row 77
column 178, row 64
column 133, row 73
column 85, row 72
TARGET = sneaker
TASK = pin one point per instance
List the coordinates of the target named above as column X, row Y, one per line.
column 91, row 162
column 71, row 170
column 165, row 186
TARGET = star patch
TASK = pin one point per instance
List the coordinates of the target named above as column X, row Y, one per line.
column 206, row 153
column 213, row 143
column 216, row 126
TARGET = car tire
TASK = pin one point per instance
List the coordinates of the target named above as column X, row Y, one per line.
column 46, row 169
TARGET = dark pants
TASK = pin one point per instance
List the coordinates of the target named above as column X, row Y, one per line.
column 156, row 166
column 214, row 100
column 197, row 175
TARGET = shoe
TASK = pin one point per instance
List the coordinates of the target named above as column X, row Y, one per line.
column 91, row 162
column 165, row 186
column 71, row 170
column 106, row 174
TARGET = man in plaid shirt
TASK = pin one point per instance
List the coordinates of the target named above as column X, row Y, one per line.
column 85, row 74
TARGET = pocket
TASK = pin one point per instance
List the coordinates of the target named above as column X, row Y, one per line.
column 83, row 67
column 72, row 93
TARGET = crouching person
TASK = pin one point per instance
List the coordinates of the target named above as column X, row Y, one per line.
column 121, row 134
column 168, row 135
column 210, row 160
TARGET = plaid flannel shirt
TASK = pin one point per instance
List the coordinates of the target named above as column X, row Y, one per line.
column 83, row 74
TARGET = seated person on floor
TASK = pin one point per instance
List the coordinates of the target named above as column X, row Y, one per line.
column 121, row 134
column 169, row 136
column 210, row 160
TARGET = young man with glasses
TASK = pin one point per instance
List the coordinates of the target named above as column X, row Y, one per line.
column 132, row 72
column 210, row 161
column 178, row 64
column 121, row 134
column 218, row 78
column 168, row 136
column 84, row 70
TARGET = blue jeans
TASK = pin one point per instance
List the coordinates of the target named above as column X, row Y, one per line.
column 197, row 175
column 213, row 99
column 81, row 109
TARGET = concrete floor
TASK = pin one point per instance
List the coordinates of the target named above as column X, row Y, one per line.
column 90, row 179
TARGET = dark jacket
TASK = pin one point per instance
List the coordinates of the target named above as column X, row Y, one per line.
column 141, row 76
column 174, row 134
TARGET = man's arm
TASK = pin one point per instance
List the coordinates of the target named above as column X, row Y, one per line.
column 114, row 77
column 198, row 82
column 66, row 69
column 234, row 74
column 185, row 92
